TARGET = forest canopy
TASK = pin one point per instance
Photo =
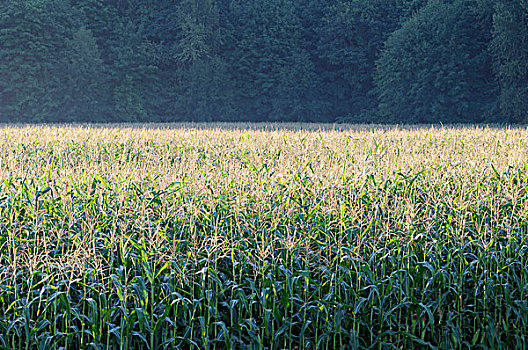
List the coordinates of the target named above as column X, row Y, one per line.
column 397, row 61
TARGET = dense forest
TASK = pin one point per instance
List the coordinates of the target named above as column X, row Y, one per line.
column 406, row 61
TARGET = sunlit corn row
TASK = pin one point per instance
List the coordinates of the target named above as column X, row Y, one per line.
column 262, row 237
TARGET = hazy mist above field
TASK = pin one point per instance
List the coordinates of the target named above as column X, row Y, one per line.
column 383, row 61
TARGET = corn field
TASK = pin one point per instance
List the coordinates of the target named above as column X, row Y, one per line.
column 263, row 237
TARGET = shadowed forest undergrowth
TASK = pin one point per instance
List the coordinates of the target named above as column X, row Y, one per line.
column 154, row 238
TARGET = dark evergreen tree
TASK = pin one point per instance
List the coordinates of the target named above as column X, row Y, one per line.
column 102, row 19
column 33, row 39
column 204, row 89
column 205, row 92
column 82, row 81
column 273, row 73
column 134, row 77
column 510, row 49
column 350, row 38
column 437, row 68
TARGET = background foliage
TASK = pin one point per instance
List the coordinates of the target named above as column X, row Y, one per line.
column 274, row 60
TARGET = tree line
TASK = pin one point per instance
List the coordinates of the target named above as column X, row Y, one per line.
column 405, row 61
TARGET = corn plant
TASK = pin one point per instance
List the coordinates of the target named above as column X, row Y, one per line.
column 262, row 237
